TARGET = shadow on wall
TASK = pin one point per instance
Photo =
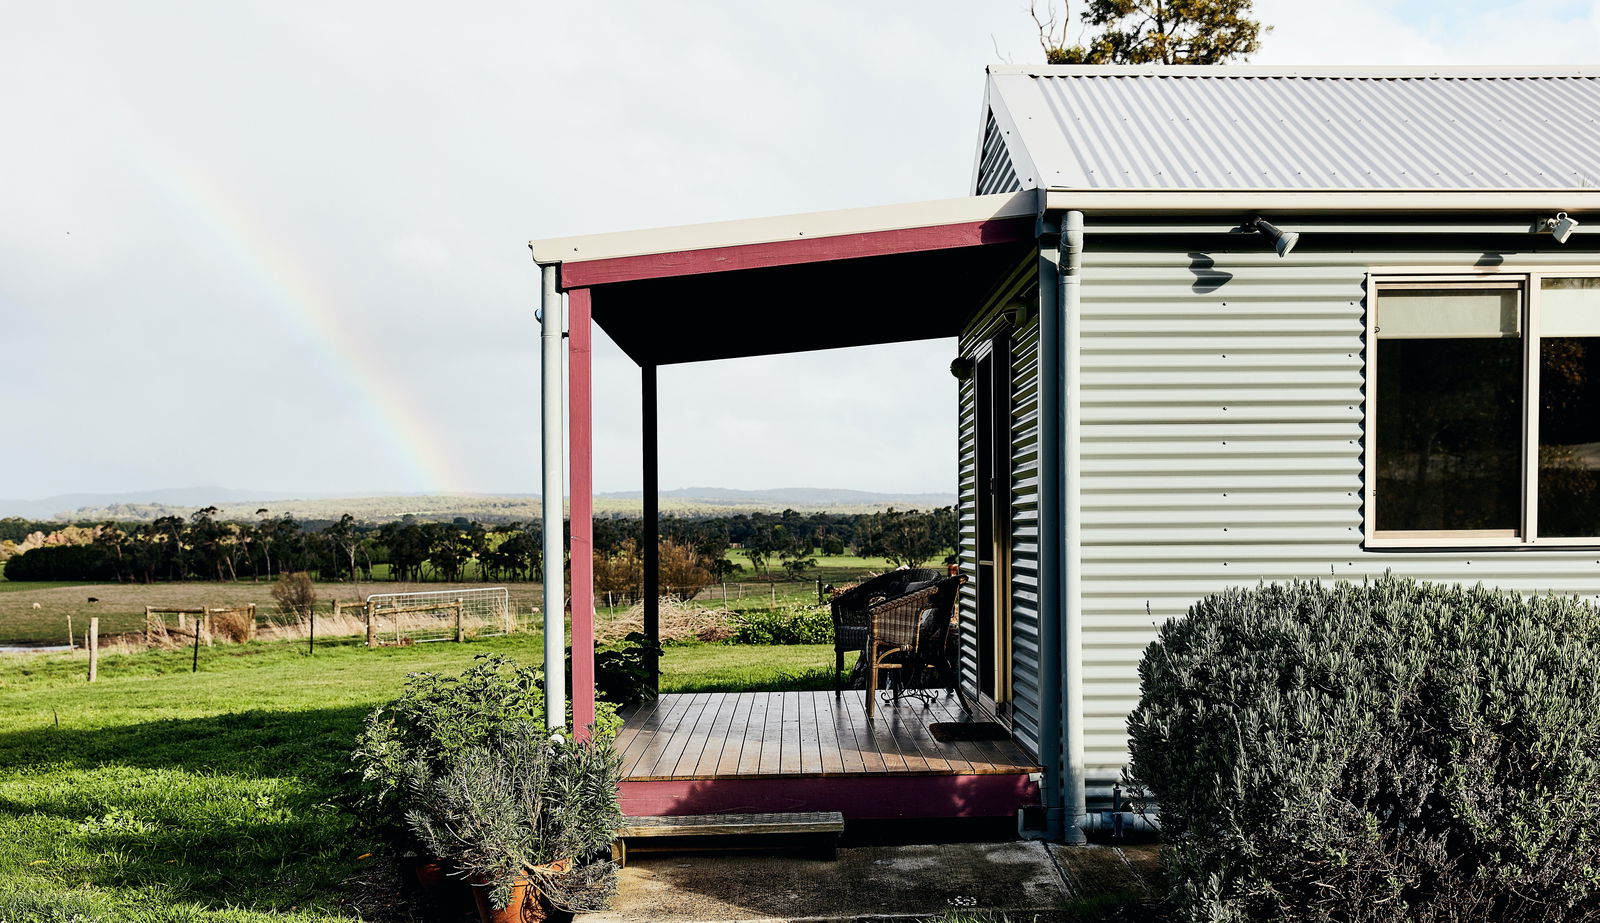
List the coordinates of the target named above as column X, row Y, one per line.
column 1207, row 278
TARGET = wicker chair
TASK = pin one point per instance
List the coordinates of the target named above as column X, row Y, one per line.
column 912, row 633
column 851, row 623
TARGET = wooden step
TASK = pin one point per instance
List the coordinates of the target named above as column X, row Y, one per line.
column 733, row 824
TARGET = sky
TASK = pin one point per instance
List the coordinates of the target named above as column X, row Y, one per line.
column 282, row 246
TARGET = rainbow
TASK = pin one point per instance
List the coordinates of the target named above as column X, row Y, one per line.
column 295, row 294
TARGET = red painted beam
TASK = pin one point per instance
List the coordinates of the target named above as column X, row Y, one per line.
column 580, row 445
column 793, row 252
column 856, row 797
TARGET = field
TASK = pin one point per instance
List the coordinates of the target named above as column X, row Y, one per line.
column 121, row 606
column 160, row 795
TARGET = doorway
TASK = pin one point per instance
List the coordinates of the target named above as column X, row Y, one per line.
column 992, row 409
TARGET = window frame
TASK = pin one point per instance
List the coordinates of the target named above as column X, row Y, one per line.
column 1530, row 282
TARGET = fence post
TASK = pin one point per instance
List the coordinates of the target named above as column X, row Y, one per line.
column 94, row 647
column 311, row 633
column 250, row 632
column 149, row 626
column 194, row 665
column 460, row 635
column 72, row 642
column 509, row 617
column 372, row 639
column 183, row 622
column 205, row 622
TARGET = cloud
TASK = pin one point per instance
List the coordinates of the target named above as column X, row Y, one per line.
column 199, row 193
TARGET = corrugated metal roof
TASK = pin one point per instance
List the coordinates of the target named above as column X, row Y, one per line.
column 1245, row 128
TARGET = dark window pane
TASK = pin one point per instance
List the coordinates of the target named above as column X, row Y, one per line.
column 1569, row 436
column 1449, row 450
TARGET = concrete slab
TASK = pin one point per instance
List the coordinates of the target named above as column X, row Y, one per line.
column 871, row 882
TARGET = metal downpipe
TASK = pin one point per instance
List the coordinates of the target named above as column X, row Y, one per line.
column 1052, row 390
column 551, row 322
column 1075, row 800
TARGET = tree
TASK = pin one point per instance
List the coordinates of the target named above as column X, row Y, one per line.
column 904, row 537
column 1153, row 32
column 295, row 594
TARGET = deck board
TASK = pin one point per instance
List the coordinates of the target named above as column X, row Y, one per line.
column 800, row 735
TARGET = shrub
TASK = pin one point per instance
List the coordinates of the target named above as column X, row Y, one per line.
column 437, row 718
column 516, row 806
column 783, row 626
column 623, row 674
column 1395, row 750
column 295, row 594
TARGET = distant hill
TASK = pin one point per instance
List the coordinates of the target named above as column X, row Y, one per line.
column 240, row 505
column 64, row 506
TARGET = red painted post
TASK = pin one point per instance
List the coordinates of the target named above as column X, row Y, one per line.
column 580, row 445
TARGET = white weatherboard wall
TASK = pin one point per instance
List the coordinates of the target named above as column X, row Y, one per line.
column 1222, row 429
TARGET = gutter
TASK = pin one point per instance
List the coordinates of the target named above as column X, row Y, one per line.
column 1170, row 202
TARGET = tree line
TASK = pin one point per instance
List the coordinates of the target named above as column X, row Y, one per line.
column 203, row 546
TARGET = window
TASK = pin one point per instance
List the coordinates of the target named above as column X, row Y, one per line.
column 1483, row 409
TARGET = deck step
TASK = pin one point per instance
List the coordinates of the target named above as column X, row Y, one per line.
column 733, row 824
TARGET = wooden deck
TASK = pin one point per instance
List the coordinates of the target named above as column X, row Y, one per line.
column 710, row 753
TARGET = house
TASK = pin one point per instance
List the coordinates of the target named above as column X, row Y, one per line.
column 1163, row 395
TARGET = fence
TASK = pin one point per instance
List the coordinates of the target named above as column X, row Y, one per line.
column 438, row 615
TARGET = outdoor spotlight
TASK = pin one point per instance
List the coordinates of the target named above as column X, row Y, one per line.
column 962, row 368
column 1282, row 241
column 1560, row 227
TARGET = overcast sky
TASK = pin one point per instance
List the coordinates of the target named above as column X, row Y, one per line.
column 282, row 245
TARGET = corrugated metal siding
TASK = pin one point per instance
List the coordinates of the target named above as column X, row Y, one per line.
column 1025, row 664
column 995, row 170
column 1275, row 132
column 1222, row 446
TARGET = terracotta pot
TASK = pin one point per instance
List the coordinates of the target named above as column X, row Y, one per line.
column 431, row 873
column 527, row 904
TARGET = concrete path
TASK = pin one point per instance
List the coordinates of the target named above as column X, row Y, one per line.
column 873, row 882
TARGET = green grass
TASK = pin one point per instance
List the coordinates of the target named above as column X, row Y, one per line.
column 157, row 795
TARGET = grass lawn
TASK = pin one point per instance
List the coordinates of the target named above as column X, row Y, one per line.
column 157, row 795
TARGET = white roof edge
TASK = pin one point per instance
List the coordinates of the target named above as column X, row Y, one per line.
column 932, row 213
column 1273, row 70
column 1325, row 201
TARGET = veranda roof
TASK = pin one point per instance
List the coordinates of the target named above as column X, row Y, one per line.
column 829, row 279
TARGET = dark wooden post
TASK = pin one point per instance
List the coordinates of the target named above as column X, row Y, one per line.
column 372, row 637
column 652, row 515
column 194, row 665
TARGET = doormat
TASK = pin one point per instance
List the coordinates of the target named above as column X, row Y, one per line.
column 956, row 731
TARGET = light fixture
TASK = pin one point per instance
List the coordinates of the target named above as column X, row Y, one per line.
column 1282, row 241
column 962, row 368
column 1560, row 227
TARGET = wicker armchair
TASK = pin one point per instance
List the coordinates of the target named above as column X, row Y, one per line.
column 912, row 633
column 851, row 623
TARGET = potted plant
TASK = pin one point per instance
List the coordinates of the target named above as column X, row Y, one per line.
column 528, row 819
column 427, row 728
